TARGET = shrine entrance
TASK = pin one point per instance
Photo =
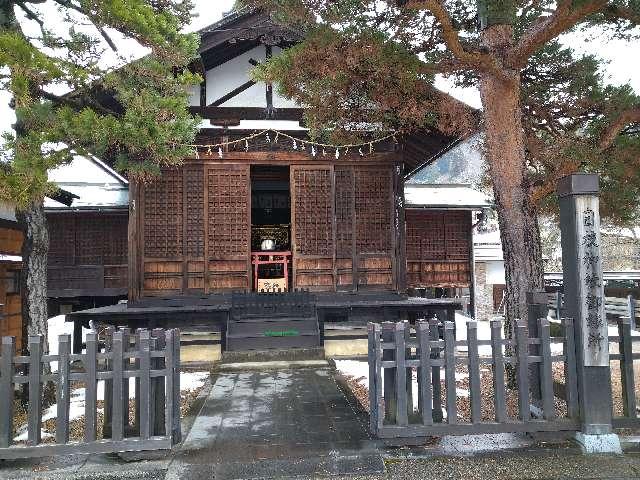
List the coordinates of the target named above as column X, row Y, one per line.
column 271, row 228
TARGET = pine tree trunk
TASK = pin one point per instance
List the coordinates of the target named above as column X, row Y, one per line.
column 505, row 151
column 34, row 271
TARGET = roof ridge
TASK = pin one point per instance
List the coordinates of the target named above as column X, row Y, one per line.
column 229, row 18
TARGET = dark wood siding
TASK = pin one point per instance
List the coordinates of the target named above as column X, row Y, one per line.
column 438, row 248
column 87, row 254
column 11, row 309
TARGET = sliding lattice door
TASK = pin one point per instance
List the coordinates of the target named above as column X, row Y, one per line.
column 313, row 227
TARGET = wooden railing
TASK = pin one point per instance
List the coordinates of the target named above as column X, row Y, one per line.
column 151, row 358
column 396, row 349
column 623, row 343
column 614, row 307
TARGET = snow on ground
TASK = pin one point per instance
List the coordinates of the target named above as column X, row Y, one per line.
column 359, row 370
column 189, row 381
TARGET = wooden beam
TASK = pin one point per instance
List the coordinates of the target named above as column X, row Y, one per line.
column 269, row 89
column 246, row 113
column 233, row 93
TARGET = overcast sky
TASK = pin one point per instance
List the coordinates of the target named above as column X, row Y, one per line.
column 623, row 64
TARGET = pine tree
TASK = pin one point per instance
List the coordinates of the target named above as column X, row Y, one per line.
column 69, row 102
column 545, row 111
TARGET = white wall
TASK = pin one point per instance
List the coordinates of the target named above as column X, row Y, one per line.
column 495, row 273
column 234, row 73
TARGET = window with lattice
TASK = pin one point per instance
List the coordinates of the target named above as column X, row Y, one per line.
column 228, row 211
column 344, row 211
column 313, row 203
column 437, row 236
column 194, row 197
column 373, row 209
column 163, row 215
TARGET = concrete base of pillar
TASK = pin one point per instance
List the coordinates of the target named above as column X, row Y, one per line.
column 607, row 443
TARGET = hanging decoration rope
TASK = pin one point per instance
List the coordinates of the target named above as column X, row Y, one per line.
column 297, row 144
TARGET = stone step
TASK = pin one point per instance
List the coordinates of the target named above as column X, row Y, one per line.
column 272, row 343
column 280, row 355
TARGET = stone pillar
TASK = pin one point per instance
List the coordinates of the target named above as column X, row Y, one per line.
column 584, row 302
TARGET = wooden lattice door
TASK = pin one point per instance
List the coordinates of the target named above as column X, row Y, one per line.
column 313, row 227
column 228, row 213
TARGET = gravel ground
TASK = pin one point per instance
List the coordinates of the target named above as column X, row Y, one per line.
column 512, row 467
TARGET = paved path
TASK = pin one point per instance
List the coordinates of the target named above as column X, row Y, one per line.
column 276, row 423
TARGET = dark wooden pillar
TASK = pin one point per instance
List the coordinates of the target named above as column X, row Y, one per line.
column 400, row 228
column 133, row 233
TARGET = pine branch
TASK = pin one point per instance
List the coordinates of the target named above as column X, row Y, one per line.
column 619, row 123
column 476, row 60
column 101, row 30
column 615, row 11
column 547, row 28
column 73, row 102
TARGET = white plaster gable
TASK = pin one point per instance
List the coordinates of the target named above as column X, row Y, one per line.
column 236, row 72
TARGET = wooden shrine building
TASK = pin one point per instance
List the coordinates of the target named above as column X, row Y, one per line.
column 87, row 261
column 260, row 207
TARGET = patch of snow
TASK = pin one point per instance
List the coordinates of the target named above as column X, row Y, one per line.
column 189, row 381
column 23, row 436
column 356, row 369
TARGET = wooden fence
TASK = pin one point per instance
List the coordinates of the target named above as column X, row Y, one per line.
column 623, row 343
column 151, row 358
column 614, row 307
column 396, row 349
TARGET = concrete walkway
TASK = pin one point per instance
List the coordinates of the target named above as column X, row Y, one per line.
column 276, row 423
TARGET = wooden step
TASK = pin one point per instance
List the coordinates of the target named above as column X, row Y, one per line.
column 253, row 329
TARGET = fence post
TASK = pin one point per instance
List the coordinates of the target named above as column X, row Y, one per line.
column 145, row 384
column 373, row 384
column 558, row 305
column 584, row 302
column 450, row 372
column 91, row 387
column 177, row 432
column 158, row 397
column 401, row 375
column 522, row 353
column 424, row 373
column 62, row 389
column 117, row 414
column 631, row 306
column 499, row 393
column 108, row 384
column 35, row 390
column 626, row 367
column 435, row 371
column 537, row 307
column 6, row 390
column 389, row 375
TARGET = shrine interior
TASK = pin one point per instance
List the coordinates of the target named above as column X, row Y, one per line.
column 271, row 227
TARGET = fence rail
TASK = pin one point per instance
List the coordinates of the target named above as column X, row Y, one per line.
column 152, row 358
column 614, row 307
column 396, row 349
